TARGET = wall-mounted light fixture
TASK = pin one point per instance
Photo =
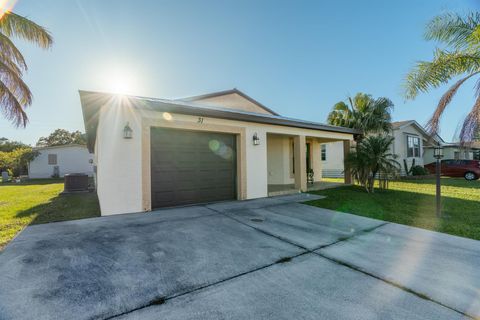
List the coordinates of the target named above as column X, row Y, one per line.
column 127, row 132
column 256, row 139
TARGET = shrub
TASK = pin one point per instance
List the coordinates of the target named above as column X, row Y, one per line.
column 419, row 171
column 15, row 162
column 372, row 159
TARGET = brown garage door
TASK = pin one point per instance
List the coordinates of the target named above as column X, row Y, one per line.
column 191, row 167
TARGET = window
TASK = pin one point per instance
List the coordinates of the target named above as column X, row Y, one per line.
column 324, row 152
column 52, row 158
column 413, row 147
column 456, row 155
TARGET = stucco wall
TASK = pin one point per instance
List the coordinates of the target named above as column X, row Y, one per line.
column 333, row 165
column 70, row 159
column 119, row 161
column 279, row 154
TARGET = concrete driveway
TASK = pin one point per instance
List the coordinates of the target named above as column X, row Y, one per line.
column 263, row 259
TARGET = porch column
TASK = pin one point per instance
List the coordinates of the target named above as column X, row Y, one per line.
column 299, row 154
column 348, row 173
column 316, row 160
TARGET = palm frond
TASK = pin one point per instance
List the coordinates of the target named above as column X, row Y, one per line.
column 341, row 106
column 11, row 108
column 10, row 55
column 14, row 25
column 365, row 113
column 471, row 124
column 15, row 84
column 444, row 66
column 454, row 30
column 434, row 122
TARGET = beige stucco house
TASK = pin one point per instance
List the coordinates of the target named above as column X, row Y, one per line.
column 411, row 143
column 151, row 153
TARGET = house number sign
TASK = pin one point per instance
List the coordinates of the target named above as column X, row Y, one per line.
column 200, row 120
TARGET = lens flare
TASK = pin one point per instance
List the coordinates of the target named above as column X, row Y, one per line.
column 221, row 149
column 6, row 6
column 167, row 116
column 214, row 145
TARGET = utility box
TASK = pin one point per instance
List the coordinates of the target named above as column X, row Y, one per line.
column 75, row 182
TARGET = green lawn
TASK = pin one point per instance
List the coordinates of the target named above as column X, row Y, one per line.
column 413, row 203
column 38, row 201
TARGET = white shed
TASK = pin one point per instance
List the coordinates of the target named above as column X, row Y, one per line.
column 60, row 160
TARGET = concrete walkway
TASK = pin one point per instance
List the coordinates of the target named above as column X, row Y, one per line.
column 263, row 259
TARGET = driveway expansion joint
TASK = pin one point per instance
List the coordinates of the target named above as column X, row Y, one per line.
column 162, row 300
column 406, row 289
column 399, row 286
column 344, row 239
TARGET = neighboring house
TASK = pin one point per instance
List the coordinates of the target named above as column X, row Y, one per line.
column 409, row 144
column 454, row 151
column 153, row 153
column 410, row 141
column 59, row 160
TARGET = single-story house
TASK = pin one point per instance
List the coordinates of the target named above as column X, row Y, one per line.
column 56, row 161
column 454, row 151
column 152, row 153
column 411, row 143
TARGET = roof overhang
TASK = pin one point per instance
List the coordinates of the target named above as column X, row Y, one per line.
column 71, row 145
column 92, row 102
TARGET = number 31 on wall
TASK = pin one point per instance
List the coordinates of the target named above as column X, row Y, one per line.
column 200, row 120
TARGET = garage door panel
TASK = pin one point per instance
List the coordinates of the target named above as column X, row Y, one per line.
column 191, row 167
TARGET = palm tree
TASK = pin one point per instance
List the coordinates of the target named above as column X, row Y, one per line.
column 15, row 95
column 372, row 159
column 363, row 112
column 461, row 37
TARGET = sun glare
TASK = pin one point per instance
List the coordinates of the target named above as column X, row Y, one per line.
column 120, row 83
column 6, row 5
column 117, row 78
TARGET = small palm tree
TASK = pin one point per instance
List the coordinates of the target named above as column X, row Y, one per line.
column 461, row 36
column 364, row 113
column 372, row 159
column 15, row 95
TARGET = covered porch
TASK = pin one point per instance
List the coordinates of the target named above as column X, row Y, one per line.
column 294, row 163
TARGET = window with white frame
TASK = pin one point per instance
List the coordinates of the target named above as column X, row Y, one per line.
column 413, row 147
column 324, row 152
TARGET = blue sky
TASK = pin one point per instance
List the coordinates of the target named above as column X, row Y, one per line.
column 296, row 57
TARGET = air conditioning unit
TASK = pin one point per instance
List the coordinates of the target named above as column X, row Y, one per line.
column 75, row 182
